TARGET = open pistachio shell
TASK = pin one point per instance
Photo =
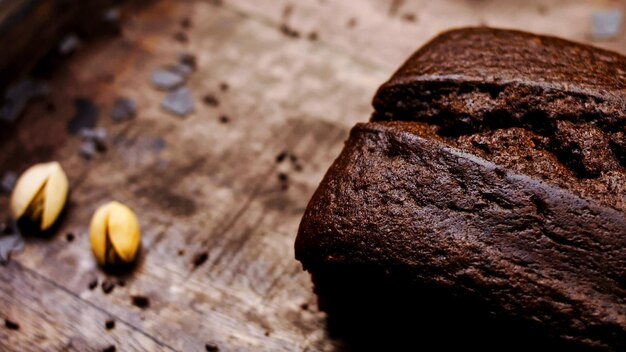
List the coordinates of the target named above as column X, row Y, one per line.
column 114, row 233
column 40, row 192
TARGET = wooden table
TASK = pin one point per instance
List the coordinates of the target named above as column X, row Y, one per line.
column 299, row 75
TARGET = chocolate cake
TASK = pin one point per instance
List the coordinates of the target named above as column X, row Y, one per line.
column 485, row 202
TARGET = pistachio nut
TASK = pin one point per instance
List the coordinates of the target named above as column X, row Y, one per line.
column 40, row 194
column 114, row 234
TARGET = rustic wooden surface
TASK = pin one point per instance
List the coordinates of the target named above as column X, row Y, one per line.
column 215, row 186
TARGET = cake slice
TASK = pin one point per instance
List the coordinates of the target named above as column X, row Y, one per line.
column 485, row 203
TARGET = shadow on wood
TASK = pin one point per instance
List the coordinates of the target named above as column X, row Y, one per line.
column 372, row 311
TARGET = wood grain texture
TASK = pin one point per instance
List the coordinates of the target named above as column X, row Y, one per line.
column 215, row 186
column 59, row 320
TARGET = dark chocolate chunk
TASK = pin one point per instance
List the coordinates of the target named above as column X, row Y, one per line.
column 87, row 150
column 109, row 324
column 211, row 347
column 409, row 17
column 178, row 102
column 281, row 157
column 210, row 100
column 167, row 79
column 200, row 258
column 140, row 301
column 11, row 325
column 181, row 69
column 188, row 59
column 185, row 23
column 86, row 116
column 107, row 286
column 124, row 109
column 181, row 37
column 289, row 31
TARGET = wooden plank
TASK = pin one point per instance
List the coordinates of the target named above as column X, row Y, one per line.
column 52, row 319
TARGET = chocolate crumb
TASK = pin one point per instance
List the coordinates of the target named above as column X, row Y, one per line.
column 267, row 333
column 224, row 119
column 210, row 100
column 107, row 286
column 185, row 23
column 181, row 252
column 93, row 284
column 11, row 325
column 304, row 306
column 123, row 109
column 281, row 157
column 181, row 37
column 313, row 36
column 224, row 86
column 69, row 237
column 211, row 347
column 188, row 59
column 86, row 116
column 200, row 258
column 109, row 324
column 87, row 150
column 352, row 22
column 282, row 177
column 293, row 158
column 297, row 167
column 288, row 31
column 140, row 301
column 287, row 10
column 409, row 17
column 109, row 349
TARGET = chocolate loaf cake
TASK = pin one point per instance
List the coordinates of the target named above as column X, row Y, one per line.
column 485, row 202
